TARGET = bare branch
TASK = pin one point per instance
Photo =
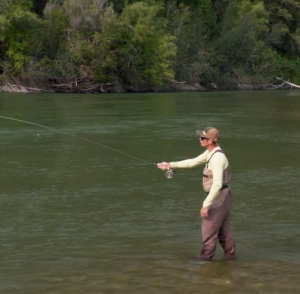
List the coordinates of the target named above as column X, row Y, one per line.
column 288, row 83
column 103, row 85
column 176, row 82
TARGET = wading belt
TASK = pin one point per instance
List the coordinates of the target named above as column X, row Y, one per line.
column 222, row 188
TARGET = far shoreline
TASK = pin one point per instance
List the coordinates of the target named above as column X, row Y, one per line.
column 33, row 86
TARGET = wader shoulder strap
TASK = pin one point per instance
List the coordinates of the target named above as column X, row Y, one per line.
column 206, row 164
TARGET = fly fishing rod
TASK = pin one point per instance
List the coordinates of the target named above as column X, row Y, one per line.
column 169, row 173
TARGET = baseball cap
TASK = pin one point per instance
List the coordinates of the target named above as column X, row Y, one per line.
column 210, row 133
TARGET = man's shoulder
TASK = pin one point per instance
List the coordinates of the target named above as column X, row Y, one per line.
column 216, row 150
column 219, row 153
column 219, row 156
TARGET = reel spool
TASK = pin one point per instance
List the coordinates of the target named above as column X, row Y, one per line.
column 169, row 174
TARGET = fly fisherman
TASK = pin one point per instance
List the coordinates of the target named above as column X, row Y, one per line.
column 215, row 211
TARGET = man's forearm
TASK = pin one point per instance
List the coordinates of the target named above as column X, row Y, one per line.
column 188, row 163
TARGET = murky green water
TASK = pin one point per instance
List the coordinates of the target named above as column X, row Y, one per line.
column 79, row 218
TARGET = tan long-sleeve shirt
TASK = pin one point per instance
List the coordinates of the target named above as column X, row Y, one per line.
column 216, row 164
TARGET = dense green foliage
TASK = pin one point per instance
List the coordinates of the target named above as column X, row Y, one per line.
column 140, row 45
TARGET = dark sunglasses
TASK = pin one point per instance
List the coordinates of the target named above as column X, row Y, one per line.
column 203, row 138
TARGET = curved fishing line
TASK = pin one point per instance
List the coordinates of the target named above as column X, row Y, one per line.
column 79, row 137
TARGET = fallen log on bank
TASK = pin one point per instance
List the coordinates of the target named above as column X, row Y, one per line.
column 18, row 88
column 292, row 85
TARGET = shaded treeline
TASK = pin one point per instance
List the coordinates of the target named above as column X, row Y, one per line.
column 102, row 45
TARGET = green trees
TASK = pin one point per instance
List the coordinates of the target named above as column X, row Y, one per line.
column 19, row 38
column 193, row 27
column 131, row 49
column 141, row 45
column 284, row 18
column 241, row 50
column 284, row 25
column 144, row 51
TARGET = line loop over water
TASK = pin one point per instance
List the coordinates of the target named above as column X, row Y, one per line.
column 79, row 137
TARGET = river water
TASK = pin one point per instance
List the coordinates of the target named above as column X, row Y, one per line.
column 77, row 217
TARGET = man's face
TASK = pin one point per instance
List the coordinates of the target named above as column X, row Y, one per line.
column 205, row 142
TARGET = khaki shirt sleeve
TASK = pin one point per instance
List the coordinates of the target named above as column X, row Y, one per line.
column 217, row 165
column 188, row 163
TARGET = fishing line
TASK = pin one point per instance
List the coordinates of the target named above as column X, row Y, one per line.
column 79, row 137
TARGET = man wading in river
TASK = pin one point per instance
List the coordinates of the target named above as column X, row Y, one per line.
column 215, row 211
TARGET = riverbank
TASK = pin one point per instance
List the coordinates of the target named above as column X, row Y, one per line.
column 35, row 86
